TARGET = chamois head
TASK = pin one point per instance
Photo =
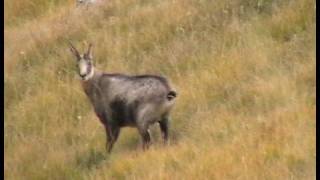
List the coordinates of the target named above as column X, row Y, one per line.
column 84, row 62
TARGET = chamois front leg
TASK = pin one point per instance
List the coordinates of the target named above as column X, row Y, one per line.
column 112, row 136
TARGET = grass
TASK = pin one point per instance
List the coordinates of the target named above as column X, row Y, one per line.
column 244, row 70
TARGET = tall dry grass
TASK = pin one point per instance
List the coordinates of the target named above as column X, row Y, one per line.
column 244, row 70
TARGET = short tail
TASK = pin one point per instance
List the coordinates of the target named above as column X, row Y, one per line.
column 171, row 95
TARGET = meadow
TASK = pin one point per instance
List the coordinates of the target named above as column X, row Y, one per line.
column 245, row 72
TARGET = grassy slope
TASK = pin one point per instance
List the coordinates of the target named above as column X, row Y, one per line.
column 244, row 69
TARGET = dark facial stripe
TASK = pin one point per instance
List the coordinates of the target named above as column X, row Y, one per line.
column 89, row 67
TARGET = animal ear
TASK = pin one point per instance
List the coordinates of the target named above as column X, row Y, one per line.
column 89, row 52
column 74, row 51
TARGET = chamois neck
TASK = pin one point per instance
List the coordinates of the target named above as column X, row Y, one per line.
column 86, row 84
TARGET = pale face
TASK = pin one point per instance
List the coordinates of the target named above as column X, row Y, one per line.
column 84, row 62
column 85, row 68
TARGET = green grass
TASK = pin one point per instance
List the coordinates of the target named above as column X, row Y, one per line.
column 244, row 71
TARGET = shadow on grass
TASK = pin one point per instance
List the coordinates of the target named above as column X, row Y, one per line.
column 91, row 159
column 129, row 143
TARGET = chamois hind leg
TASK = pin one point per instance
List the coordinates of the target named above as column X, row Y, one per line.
column 164, row 129
column 146, row 139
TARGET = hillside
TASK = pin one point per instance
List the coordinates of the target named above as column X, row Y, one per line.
column 244, row 69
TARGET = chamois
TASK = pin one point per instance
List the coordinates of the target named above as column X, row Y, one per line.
column 121, row 100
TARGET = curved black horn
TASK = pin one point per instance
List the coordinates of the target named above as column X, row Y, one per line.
column 74, row 50
column 89, row 52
